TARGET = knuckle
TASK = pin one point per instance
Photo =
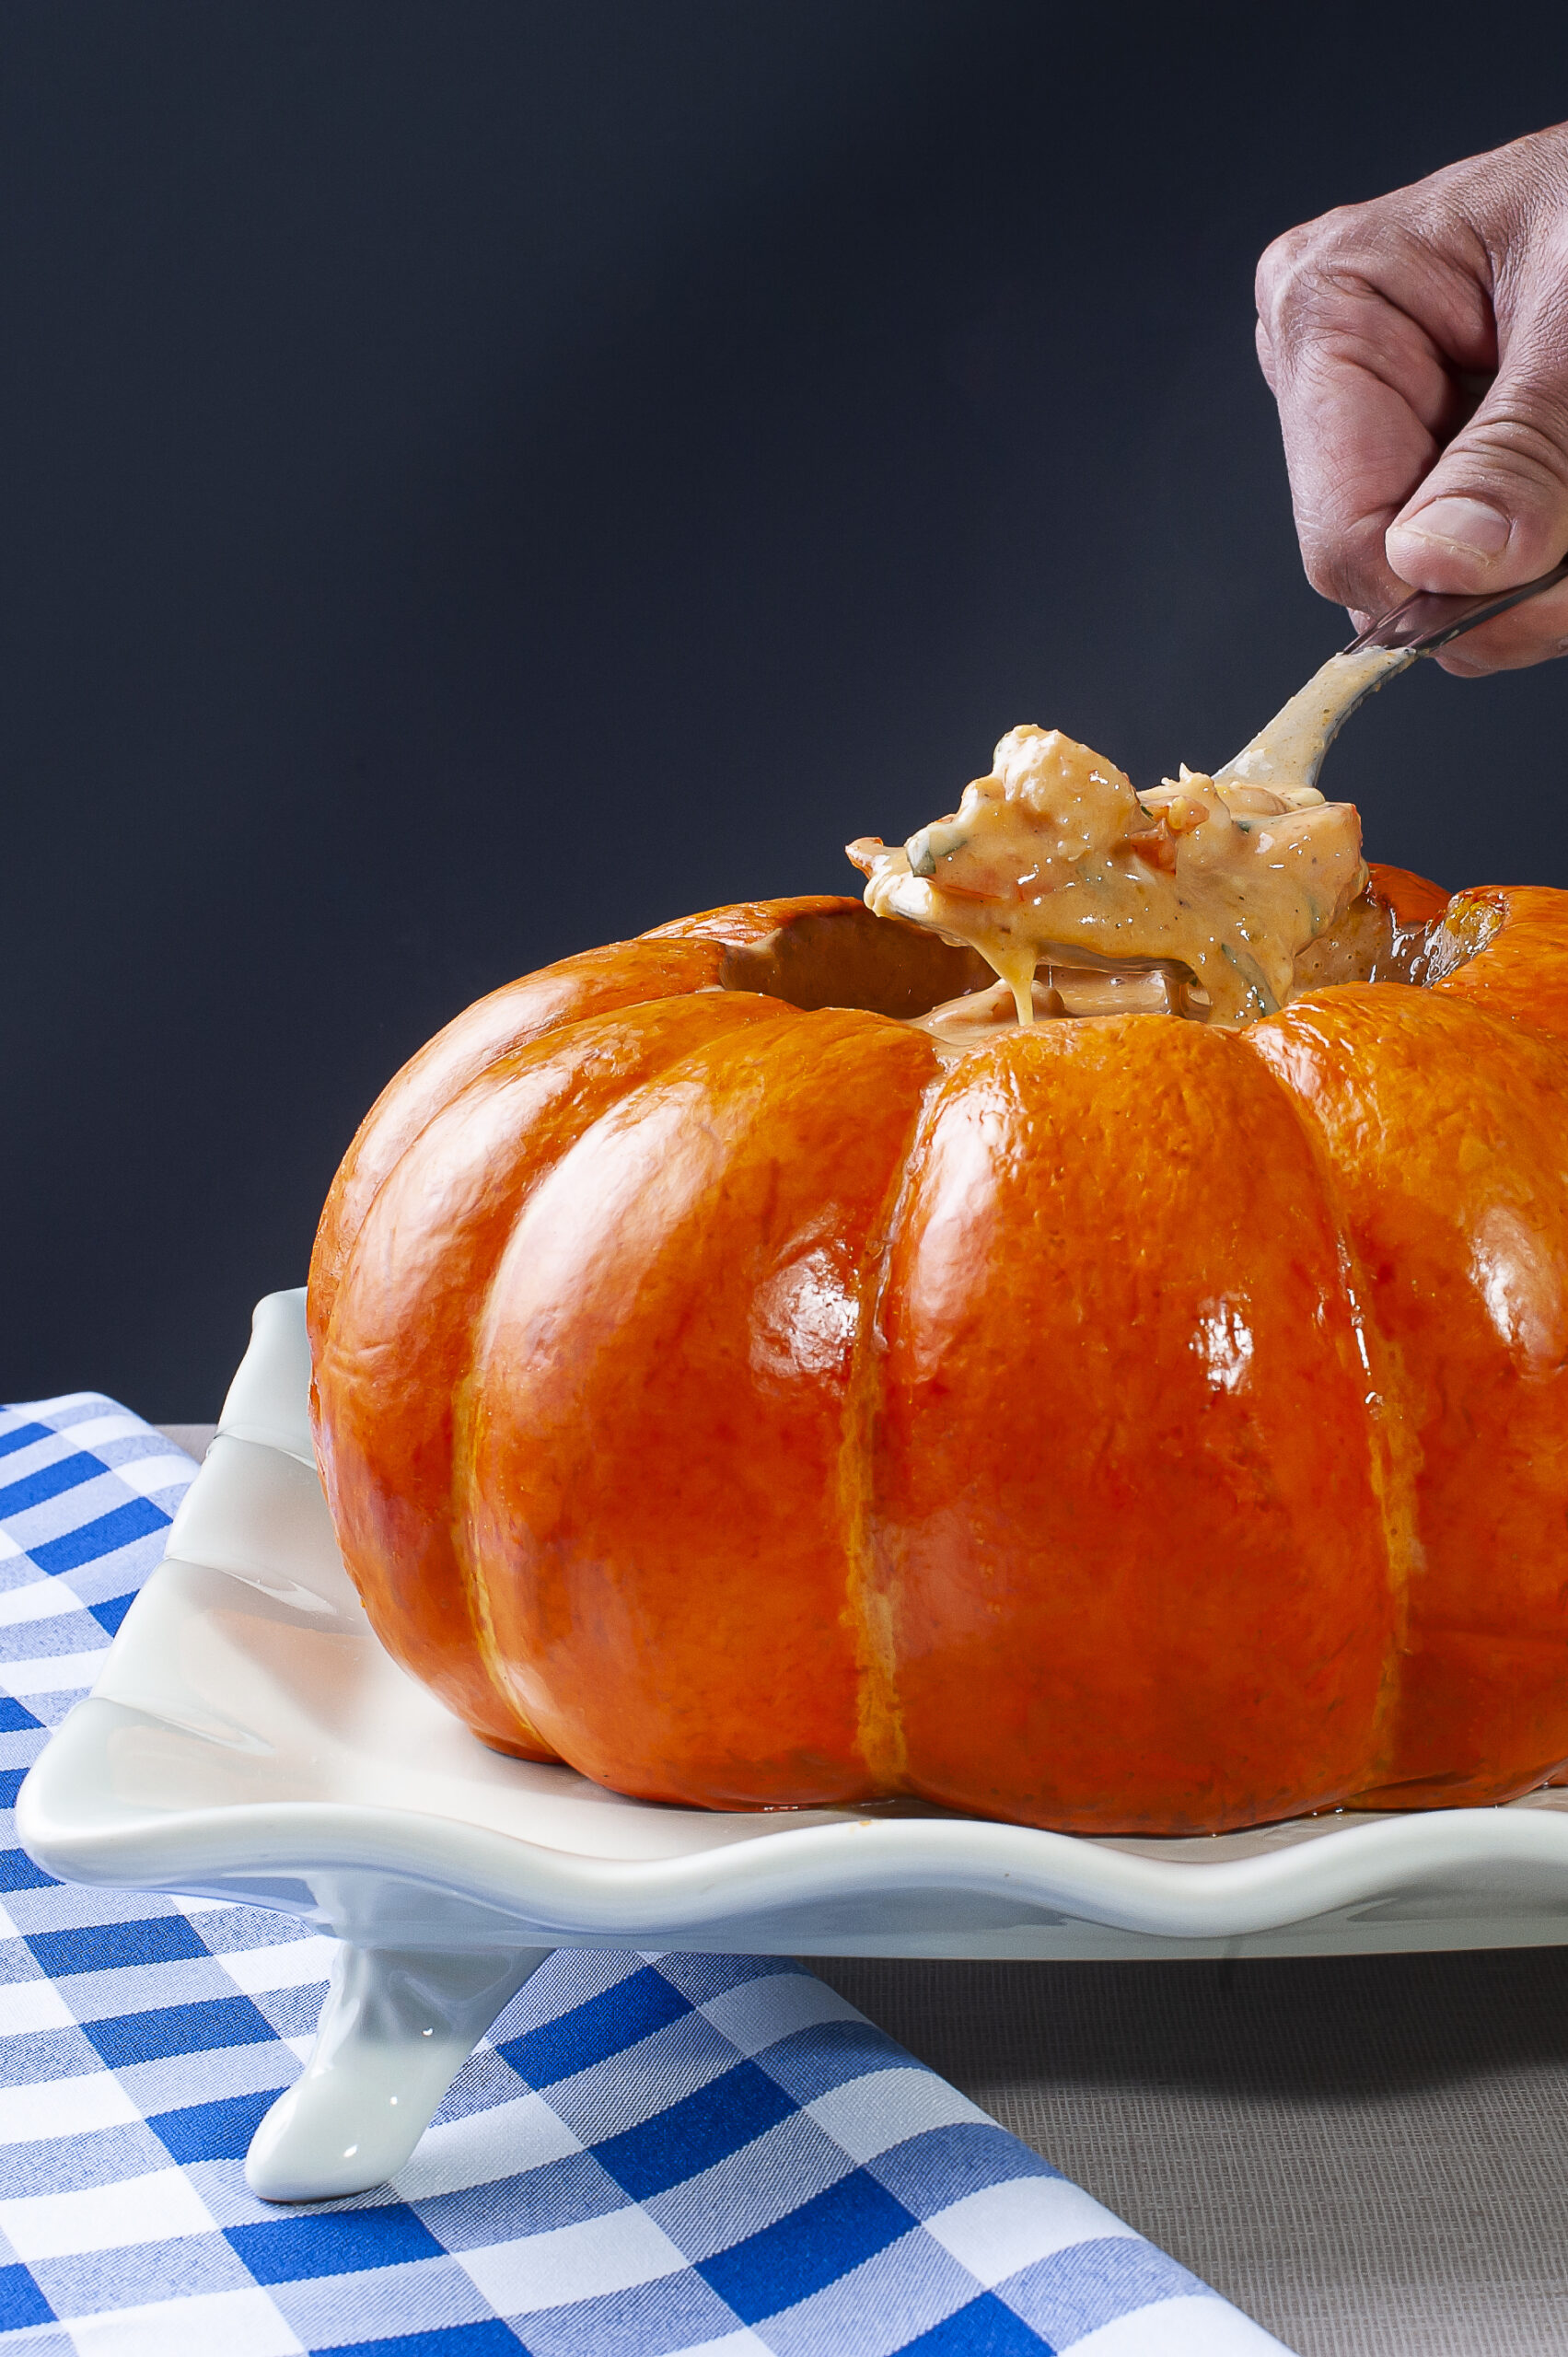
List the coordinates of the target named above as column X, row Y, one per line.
column 1393, row 274
column 1274, row 265
column 1311, row 262
column 1290, row 268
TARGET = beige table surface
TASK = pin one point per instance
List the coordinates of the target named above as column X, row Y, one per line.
column 1369, row 2155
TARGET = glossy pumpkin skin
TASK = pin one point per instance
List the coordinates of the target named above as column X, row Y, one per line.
column 1135, row 1427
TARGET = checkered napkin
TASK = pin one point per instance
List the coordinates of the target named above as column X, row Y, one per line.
column 647, row 2156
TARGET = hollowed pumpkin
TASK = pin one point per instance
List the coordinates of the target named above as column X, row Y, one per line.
column 1130, row 1426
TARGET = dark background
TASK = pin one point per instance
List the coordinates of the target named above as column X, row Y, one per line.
column 481, row 478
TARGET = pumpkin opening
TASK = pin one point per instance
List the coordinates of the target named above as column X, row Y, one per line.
column 1397, row 930
column 845, row 956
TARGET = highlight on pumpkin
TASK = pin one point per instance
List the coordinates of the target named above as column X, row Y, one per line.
column 1178, row 901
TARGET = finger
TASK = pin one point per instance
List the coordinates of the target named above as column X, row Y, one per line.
column 1340, row 521
column 1493, row 510
column 1353, row 449
column 1365, row 396
column 1533, row 632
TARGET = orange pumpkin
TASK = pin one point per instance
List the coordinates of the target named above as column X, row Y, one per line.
column 1134, row 1426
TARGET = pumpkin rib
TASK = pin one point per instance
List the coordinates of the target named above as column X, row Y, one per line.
column 596, row 981
column 879, row 1724
column 1458, row 1210
column 1099, row 1507
column 397, row 1346
column 693, row 954
column 1393, row 1460
column 692, row 1265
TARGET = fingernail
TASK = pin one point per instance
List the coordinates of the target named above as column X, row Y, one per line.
column 1466, row 527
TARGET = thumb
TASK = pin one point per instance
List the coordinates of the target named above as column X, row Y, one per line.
column 1493, row 511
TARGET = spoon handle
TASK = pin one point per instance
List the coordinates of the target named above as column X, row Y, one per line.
column 1428, row 619
column 1289, row 752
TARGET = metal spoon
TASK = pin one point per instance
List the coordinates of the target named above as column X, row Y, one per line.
column 1289, row 750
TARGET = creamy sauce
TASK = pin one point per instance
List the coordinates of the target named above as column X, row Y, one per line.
column 1129, row 900
column 964, row 1023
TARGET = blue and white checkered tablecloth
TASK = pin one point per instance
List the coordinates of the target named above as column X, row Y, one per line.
column 648, row 2154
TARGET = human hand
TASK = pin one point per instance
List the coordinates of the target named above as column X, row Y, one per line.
column 1377, row 327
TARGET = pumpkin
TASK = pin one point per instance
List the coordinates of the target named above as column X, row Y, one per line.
column 1130, row 1426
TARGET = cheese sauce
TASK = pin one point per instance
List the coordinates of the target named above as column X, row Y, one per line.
column 1182, row 899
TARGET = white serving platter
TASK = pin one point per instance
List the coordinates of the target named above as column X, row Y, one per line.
column 250, row 1739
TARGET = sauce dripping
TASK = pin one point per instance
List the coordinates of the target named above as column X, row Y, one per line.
column 1052, row 857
